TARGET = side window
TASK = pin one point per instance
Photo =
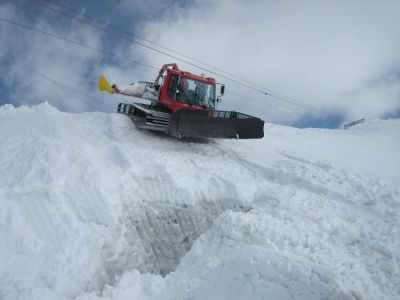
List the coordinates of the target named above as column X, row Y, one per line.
column 172, row 86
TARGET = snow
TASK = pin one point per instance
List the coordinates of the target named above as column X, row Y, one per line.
column 92, row 208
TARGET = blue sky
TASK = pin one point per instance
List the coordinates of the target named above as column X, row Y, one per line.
column 340, row 60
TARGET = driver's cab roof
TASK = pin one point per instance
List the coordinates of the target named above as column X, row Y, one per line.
column 185, row 74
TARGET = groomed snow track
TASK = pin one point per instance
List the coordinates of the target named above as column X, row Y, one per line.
column 156, row 236
column 92, row 208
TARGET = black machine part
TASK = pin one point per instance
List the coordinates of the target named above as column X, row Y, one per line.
column 146, row 116
column 215, row 124
column 191, row 123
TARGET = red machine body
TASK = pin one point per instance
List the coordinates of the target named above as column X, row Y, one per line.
column 167, row 74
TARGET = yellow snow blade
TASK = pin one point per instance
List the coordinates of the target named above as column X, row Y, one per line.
column 104, row 85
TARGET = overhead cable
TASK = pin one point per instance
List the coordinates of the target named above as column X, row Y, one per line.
column 104, row 27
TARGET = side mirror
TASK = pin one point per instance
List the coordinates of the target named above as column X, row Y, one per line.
column 222, row 89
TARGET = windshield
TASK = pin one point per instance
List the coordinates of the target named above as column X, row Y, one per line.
column 191, row 91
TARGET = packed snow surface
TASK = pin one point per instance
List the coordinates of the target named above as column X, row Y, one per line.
column 93, row 208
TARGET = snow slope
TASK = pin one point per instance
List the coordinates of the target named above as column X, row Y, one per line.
column 92, row 208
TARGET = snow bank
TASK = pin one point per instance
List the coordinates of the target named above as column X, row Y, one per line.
column 92, row 208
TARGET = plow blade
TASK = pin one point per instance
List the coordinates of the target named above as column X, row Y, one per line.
column 215, row 124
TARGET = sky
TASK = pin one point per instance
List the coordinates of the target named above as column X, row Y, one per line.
column 328, row 62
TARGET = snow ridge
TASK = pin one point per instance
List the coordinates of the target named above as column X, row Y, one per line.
column 92, row 208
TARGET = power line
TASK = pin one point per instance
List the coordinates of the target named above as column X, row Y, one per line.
column 107, row 53
column 269, row 92
column 76, row 43
column 116, row 33
column 46, row 97
column 148, row 41
column 25, row 66
column 119, row 57
column 261, row 102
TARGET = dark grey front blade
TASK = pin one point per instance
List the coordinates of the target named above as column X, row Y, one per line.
column 215, row 124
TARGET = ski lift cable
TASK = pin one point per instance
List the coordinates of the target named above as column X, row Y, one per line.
column 151, row 42
column 45, row 96
column 52, row 35
column 118, row 34
column 276, row 107
column 76, row 43
column 275, row 94
column 249, row 98
column 161, row 46
column 25, row 66
column 105, row 29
